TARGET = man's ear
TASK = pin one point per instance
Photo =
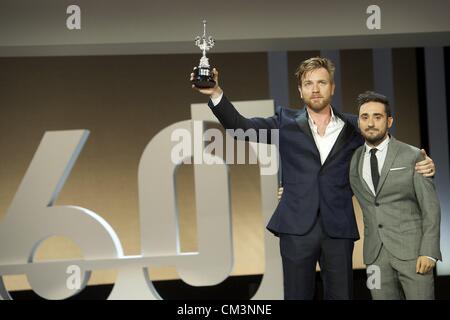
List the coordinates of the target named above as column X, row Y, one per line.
column 390, row 122
column 300, row 90
column 333, row 86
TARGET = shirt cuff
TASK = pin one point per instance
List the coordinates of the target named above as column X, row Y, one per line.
column 431, row 258
column 217, row 100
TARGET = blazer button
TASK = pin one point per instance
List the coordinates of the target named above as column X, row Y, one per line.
column 380, row 226
column 377, row 204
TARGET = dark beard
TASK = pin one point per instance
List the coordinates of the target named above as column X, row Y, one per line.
column 375, row 140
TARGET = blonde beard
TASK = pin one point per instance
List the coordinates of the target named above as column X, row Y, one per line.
column 318, row 107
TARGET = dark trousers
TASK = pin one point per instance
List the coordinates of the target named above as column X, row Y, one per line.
column 300, row 255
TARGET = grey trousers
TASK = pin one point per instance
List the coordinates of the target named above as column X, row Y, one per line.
column 399, row 280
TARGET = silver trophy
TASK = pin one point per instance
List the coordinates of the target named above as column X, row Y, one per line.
column 203, row 76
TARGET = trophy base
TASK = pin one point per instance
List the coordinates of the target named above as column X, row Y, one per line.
column 203, row 78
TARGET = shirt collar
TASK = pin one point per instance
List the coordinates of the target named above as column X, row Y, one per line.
column 381, row 146
column 333, row 117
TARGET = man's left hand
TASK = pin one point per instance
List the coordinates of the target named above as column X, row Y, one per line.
column 424, row 265
column 426, row 167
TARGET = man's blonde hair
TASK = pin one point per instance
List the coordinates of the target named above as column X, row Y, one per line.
column 313, row 64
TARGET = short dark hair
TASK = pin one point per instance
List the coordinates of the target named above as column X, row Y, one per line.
column 370, row 96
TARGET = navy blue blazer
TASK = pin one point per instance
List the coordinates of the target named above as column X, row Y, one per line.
column 310, row 188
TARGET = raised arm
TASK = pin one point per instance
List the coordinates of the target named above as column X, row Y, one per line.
column 229, row 117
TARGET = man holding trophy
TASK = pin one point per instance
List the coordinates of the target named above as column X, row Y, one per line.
column 314, row 218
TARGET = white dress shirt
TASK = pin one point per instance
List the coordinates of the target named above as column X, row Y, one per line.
column 324, row 144
column 381, row 156
column 216, row 101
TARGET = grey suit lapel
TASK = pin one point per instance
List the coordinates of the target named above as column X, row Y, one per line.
column 390, row 157
column 360, row 171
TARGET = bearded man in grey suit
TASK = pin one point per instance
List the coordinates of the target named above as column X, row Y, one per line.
column 400, row 207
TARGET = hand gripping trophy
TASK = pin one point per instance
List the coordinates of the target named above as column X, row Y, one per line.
column 203, row 76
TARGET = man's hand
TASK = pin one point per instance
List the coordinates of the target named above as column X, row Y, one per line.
column 212, row 92
column 426, row 167
column 424, row 265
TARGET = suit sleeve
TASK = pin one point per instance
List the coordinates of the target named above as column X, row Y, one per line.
column 431, row 214
column 230, row 118
column 354, row 168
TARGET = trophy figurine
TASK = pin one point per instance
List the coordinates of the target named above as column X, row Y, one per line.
column 203, row 76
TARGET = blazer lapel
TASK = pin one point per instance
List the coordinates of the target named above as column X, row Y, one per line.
column 390, row 157
column 360, row 172
column 302, row 121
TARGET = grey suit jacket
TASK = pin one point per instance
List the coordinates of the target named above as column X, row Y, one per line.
column 404, row 215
